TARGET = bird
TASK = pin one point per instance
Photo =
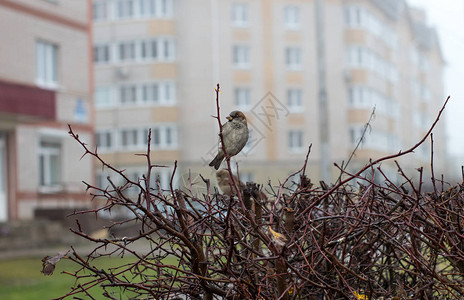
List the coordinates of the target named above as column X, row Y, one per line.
column 235, row 137
column 224, row 183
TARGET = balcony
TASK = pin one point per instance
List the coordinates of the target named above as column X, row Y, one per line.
column 21, row 103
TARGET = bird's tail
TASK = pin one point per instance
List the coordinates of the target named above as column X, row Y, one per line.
column 216, row 162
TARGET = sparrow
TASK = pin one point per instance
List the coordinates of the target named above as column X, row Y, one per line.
column 235, row 136
column 222, row 178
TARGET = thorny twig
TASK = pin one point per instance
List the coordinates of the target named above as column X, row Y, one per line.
column 381, row 241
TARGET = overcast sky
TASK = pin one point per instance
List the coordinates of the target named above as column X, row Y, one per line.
column 447, row 16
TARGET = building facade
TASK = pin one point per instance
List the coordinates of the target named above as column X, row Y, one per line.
column 303, row 72
column 46, row 83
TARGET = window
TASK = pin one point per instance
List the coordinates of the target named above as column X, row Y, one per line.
column 414, row 55
column 155, row 136
column 150, row 93
column 423, row 61
column 240, row 14
column 359, row 17
column 356, row 55
column 424, row 151
column 100, row 11
column 170, row 136
column 126, row 51
column 102, row 97
column 362, row 57
column 356, row 95
column 250, row 143
column 164, row 136
column 421, row 120
column 425, row 93
column 161, row 176
column 374, row 139
column 295, row 140
column 247, row 177
column 293, row 58
column 104, row 139
column 145, row 133
column 166, row 8
column 158, row 49
column 101, row 54
column 365, row 97
column 158, row 93
column 149, row 49
column 156, row 8
column 168, row 49
column 242, row 98
column 49, row 165
column 129, row 138
column 169, row 93
column 46, row 64
column 292, row 17
column 241, row 57
column 101, row 180
column 293, row 181
column 148, row 7
column 294, row 100
column 356, row 135
column 128, row 94
column 354, row 16
column 125, row 9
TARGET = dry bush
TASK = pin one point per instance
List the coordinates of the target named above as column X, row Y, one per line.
column 356, row 239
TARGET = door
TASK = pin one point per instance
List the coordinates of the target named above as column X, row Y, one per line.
column 3, row 180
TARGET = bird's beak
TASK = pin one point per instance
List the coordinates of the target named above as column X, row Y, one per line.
column 229, row 118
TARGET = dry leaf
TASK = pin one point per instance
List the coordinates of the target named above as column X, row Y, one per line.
column 278, row 238
column 360, row 296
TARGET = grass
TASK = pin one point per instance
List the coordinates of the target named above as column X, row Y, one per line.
column 21, row 278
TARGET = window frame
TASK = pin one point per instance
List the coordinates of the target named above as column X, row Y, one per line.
column 120, row 5
column 293, row 58
column 293, row 93
column 164, row 137
column 240, row 15
column 106, row 136
column 101, row 54
column 292, row 17
column 46, row 64
column 98, row 102
column 48, row 149
column 242, row 98
column 241, row 56
column 100, row 11
column 127, row 51
column 295, row 140
column 128, row 94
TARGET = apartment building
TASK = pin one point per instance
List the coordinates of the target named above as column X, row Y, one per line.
column 157, row 63
column 45, row 84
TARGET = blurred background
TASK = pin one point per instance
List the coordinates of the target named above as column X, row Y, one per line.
column 304, row 72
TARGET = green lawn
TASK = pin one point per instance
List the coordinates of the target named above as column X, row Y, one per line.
column 21, row 279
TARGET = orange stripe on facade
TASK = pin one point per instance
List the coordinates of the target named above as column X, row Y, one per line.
column 267, row 11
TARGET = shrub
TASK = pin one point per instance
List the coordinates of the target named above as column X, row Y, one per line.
column 363, row 241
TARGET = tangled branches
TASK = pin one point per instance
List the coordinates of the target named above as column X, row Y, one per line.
column 348, row 241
